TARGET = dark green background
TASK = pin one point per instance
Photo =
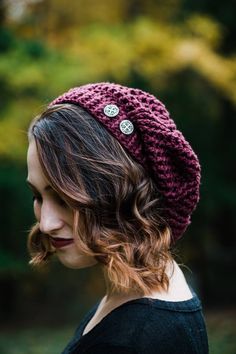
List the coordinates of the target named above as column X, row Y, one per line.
column 181, row 51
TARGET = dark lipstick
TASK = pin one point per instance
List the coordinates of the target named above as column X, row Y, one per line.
column 59, row 242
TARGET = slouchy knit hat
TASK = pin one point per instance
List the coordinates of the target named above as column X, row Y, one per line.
column 142, row 125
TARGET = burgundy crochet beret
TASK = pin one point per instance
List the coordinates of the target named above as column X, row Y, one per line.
column 142, row 125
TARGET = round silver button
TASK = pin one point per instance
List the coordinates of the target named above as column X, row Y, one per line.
column 126, row 126
column 111, row 110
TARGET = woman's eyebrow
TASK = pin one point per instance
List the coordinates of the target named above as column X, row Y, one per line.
column 47, row 188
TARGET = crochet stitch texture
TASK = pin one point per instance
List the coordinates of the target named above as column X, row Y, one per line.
column 155, row 143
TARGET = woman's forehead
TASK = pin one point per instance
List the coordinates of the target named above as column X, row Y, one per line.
column 35, row 172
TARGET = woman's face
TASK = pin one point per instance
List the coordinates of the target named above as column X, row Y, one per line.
column 54, row 216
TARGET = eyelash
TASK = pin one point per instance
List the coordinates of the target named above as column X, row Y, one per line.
column 37, row 198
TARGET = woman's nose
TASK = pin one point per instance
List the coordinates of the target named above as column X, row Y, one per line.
column 50, row 220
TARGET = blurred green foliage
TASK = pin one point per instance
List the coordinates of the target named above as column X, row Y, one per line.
column 34, row 71
column 35, row 341
column 183, row 52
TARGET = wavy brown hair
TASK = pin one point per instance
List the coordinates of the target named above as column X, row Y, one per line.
column 117, row 207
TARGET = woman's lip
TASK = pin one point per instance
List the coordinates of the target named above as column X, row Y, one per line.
column 59, row 242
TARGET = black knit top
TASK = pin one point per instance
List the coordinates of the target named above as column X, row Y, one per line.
column 145, row 326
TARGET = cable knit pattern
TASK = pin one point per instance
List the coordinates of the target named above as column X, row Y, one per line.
column 155, row 143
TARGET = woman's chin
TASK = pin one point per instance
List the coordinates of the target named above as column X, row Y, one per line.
column 75, row 261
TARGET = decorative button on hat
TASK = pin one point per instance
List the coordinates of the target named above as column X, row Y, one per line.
column 155, row 143
column 126, row 126
column 111, row 110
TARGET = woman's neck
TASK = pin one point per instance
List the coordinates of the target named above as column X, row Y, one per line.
column 178, row 290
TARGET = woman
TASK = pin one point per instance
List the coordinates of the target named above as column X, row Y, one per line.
column 115, row 184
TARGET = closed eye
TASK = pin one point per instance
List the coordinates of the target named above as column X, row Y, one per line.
column 59, row 200
column 37, row 198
